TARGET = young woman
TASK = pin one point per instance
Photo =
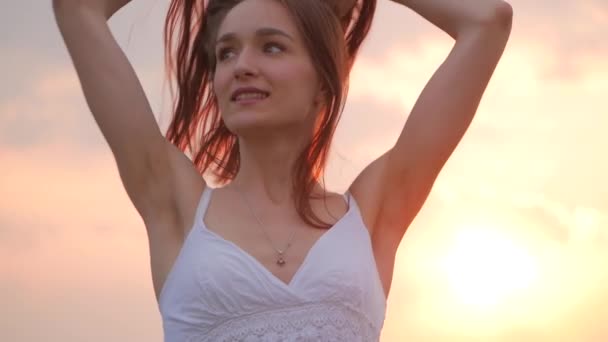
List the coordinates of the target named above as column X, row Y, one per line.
column 271, row 255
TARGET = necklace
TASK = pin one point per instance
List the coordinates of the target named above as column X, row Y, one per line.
column 280, row 252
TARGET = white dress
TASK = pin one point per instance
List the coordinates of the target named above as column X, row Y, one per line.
column 218, row 292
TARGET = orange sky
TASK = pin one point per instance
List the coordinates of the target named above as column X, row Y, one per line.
column 512, row 244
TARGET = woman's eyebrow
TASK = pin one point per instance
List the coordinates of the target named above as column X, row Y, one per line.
column 264, row 31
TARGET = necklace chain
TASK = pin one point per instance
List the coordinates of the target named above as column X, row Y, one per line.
column 280, row 252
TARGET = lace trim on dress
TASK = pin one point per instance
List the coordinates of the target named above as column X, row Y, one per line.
column 309, row 322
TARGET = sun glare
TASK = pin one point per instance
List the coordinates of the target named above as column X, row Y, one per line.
column 485, row 268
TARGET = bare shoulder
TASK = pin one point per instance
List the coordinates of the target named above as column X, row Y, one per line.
column 366, row 189
column 329, row 206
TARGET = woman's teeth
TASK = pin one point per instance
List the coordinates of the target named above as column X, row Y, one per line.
column 251, row 96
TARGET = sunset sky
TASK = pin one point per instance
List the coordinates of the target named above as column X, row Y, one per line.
column 512, row 244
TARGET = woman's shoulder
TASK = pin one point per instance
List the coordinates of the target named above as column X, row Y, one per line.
column 331, row 206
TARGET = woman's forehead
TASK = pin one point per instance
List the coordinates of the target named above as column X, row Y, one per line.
column 260, row 32
column 258, row 17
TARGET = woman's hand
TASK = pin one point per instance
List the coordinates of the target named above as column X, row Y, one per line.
column 107, row 8
column 456, row 17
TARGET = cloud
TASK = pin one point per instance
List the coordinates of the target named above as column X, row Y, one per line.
column 47, row 112
column 568, row 26
column 571, row 32
column 50, row 109
column 55, row 191
column 40, row 99
column 71, row 246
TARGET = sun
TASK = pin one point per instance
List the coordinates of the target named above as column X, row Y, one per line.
column 485, row 268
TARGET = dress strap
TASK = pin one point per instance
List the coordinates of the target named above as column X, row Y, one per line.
column 347, row 198
column 203, row 204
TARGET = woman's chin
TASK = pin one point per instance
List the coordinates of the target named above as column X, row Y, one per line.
column 250, row 124
column 246, row 122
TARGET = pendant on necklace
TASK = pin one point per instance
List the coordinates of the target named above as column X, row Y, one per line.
column 280, row 260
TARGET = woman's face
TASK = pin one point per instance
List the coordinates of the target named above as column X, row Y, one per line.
column 259, row 46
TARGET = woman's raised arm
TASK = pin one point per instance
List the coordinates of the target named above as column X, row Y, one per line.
column 118, row 103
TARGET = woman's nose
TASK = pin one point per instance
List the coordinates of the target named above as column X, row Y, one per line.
column 245, row 64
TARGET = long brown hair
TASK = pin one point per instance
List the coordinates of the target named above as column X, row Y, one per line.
column 197, row 128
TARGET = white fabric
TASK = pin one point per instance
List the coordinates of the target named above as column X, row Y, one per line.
column 218, row 292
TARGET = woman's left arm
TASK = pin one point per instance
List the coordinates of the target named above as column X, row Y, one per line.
column 394, row 187
column 449, row 101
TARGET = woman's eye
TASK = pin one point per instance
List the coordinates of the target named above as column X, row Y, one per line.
column 221, row 54
column 227, row 52
column 273, row 47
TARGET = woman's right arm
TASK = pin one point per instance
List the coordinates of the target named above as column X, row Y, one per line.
column 118, row 104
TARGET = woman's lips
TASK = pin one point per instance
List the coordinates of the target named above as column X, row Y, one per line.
column 250, row 101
